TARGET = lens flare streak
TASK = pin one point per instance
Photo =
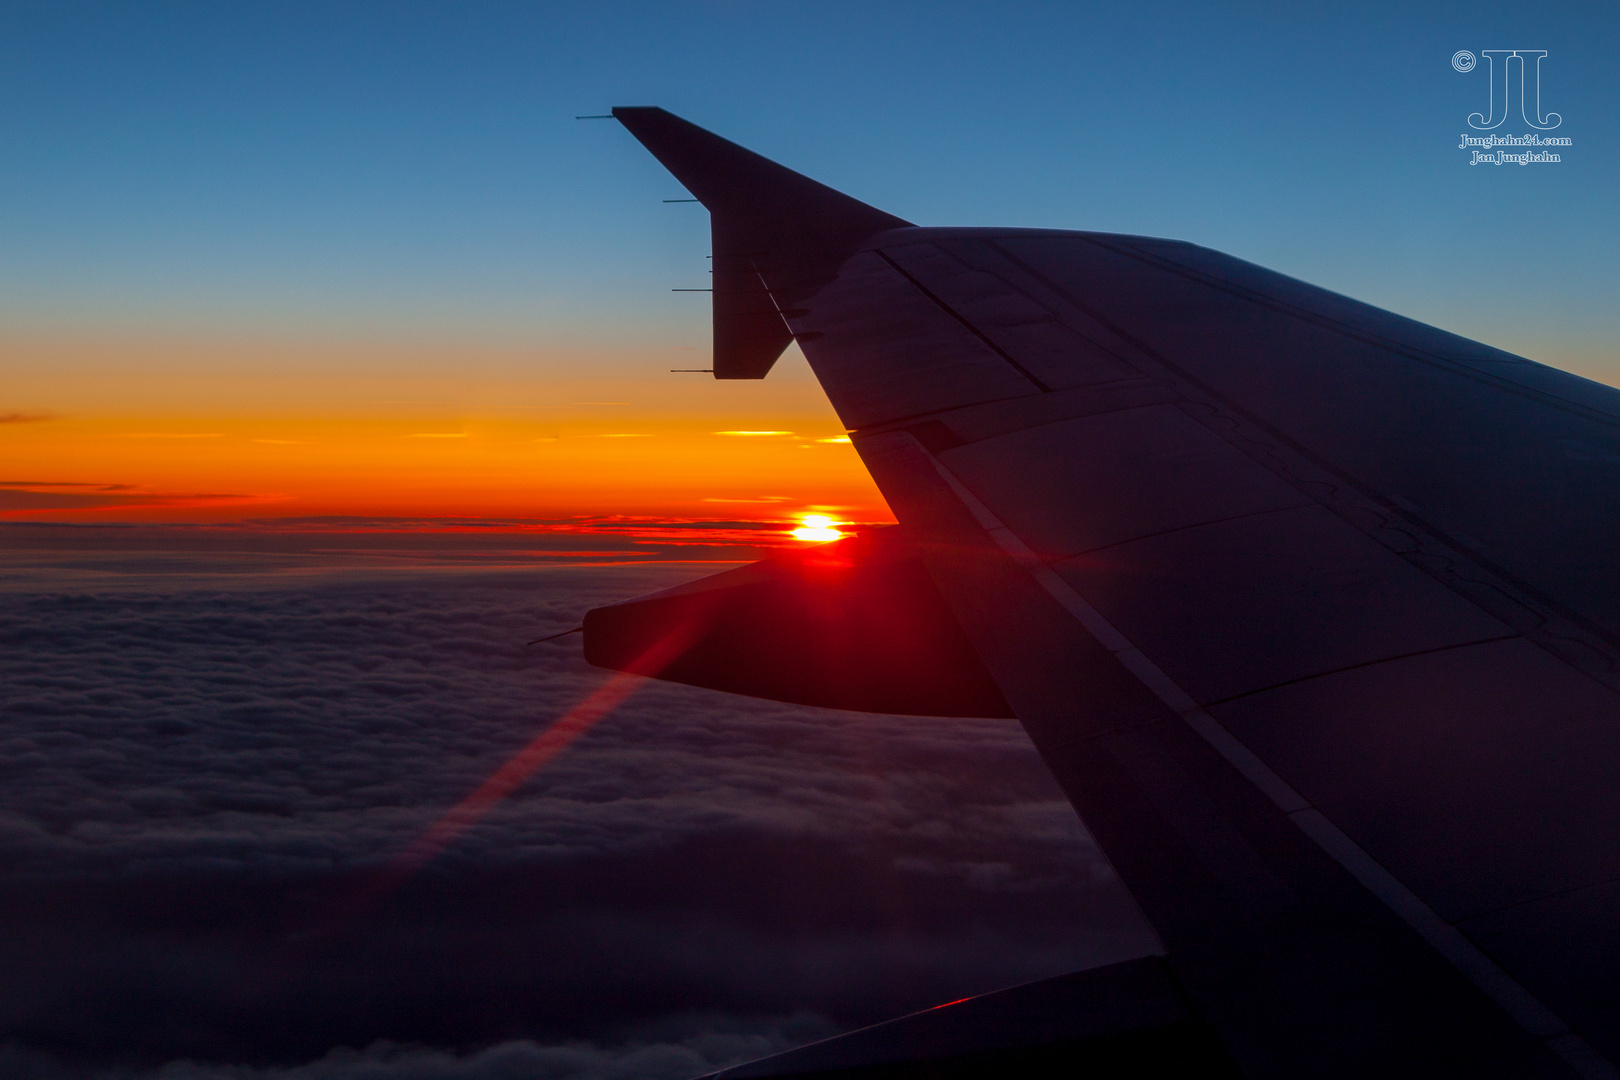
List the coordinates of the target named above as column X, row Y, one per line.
column 522, row 765
column 540, row 751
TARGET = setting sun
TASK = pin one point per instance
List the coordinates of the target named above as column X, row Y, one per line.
column 817, row 529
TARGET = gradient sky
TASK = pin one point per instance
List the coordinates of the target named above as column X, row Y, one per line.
column 264, row 260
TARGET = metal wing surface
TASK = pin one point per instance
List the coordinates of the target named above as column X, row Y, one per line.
column 1312, row 610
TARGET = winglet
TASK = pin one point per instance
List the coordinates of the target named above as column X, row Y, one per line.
column 777, row 235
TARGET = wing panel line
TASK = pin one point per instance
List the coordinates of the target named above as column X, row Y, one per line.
column 1364, row 664
column 974, row 330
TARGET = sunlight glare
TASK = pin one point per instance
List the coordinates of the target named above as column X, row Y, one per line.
column 816, row 529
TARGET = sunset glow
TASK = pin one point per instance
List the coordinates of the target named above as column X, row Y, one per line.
column 142, row 428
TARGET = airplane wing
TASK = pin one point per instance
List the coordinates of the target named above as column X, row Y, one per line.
column 1312, row 610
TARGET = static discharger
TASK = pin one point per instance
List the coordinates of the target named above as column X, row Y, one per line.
column 554, row 637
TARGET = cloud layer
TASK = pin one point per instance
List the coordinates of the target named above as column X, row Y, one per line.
column 198, row 785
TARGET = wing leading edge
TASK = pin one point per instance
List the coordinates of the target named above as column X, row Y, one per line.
column 1311, row 609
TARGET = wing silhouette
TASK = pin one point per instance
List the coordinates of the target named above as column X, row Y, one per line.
column 1311, row 609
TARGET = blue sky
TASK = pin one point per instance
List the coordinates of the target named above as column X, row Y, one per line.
column 414, row 169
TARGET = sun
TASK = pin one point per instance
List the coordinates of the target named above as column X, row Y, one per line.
column 816, row 529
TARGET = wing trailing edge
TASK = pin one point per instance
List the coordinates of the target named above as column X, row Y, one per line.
column 776, row 234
